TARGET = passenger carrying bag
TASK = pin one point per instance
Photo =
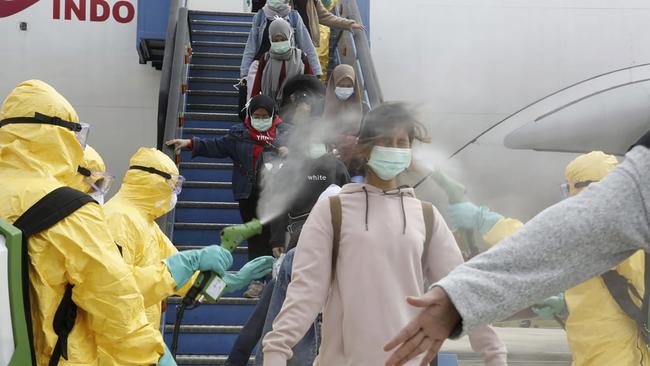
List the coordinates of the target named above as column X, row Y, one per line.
column 337, row 219
column 44, row 214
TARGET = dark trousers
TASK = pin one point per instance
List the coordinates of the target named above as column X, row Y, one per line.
column 258, row 245
column 252, row 331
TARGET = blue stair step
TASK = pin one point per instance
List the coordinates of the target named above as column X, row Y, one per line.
column 220, row 47
column 214, row 108
column 186, row 156
column 222, row 25
column 199, row 212
column 198, row 233
column 219, row 36
column 212, row 96
column 207, row 191
column 207, row 172
column 219, row 15
column 224, row 71
column 213, row 83
column 209, row 58
column 204, row 339
column 203, row 360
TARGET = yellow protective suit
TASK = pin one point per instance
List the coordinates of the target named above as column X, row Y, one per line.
column 501, row 230
column 91, row 161
column 34, row 160
column 131, row 214
column 323, row 49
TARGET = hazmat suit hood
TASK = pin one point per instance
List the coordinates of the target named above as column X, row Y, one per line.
column 39, row 149
column 149, row 193
column 92, row 161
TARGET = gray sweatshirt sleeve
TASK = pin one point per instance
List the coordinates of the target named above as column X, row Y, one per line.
column 561, row 247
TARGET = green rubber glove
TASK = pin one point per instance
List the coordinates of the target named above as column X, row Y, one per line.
column 213, row 258
column 255, row 269
column 552, row 307
column 167, row 359
column 467, row 215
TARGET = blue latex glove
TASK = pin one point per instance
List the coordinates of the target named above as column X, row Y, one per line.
column 467, row 215
column 552, row 307
column 255, row 269
column 182, row 265
column 167, row 359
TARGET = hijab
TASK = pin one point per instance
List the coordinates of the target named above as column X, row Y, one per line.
column 279, row 67
column 281, row 11
column 350, row 108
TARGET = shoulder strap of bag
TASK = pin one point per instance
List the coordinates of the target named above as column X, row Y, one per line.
column 622, row 291
column 44, row 214
column 427, row 212
column 337, row 213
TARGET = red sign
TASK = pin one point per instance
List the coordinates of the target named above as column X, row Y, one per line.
column 11, row 7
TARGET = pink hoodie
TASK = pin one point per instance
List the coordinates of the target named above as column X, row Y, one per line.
column 379, row 265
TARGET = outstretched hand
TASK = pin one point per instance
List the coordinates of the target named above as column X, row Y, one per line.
column 427, row 331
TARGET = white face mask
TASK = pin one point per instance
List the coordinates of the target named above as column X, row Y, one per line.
column 262, row 124
column 98, row 196
column 281, row 47
column 275, row 4
column 343, row 93
column 317, row 150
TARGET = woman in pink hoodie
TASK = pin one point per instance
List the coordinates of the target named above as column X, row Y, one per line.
column 383, row 257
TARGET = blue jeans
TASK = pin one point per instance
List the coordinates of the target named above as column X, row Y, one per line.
column 251, row 332
column 304, row 353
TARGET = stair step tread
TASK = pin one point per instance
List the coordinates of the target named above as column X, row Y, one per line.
column 195, row 204
column 200, row 226
column 221, row 301
column 206, row 165
column 213, row 92
column 219, row 33
column 198, row 184
column 205, row 360
column 209, row 115
column 194, row 66
column 216, row 55
column 238, row 250
column 224, row 13
column 221, row 22
column 194, row 106
column 232, row 329
column 219, row 44
column 206, row 79
column 206, row 131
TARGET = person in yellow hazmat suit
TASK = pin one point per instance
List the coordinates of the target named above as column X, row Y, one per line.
column 40, row 149
column 148, row 192
column 598, row 329
column 92, row 177
column 323, row 49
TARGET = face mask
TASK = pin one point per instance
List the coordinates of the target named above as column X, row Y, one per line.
column 317, row 150
column 98, row 196
column 343, row 93
column 275, row 4
column 280, row 48
column 388, row 162
column 261, row 124
column 172, row 203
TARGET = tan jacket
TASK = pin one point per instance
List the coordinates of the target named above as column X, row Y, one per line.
column 317, row 13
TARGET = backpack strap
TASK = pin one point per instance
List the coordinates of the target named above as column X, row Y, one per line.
column 337, row 216
column 622, row 291
column 44, row 214
column 427, row 212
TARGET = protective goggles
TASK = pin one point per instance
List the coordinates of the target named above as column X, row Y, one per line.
column 98, row 180
column 80, row 129
column 566, row 187
column 175, row 181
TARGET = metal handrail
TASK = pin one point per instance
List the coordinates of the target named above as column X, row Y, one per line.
column 166, row 71
column 177, row 93
column 354, row 49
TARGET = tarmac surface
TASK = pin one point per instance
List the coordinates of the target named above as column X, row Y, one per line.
column 526, row 346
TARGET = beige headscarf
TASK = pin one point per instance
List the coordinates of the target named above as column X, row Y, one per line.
column 352, row 108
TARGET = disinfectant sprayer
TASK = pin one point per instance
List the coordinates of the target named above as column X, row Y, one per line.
column 208, row 286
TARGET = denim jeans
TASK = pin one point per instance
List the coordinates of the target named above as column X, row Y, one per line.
column 304, row 353
column 251, row 332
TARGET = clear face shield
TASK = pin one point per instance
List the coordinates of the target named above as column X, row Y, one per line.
column 80, row 130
